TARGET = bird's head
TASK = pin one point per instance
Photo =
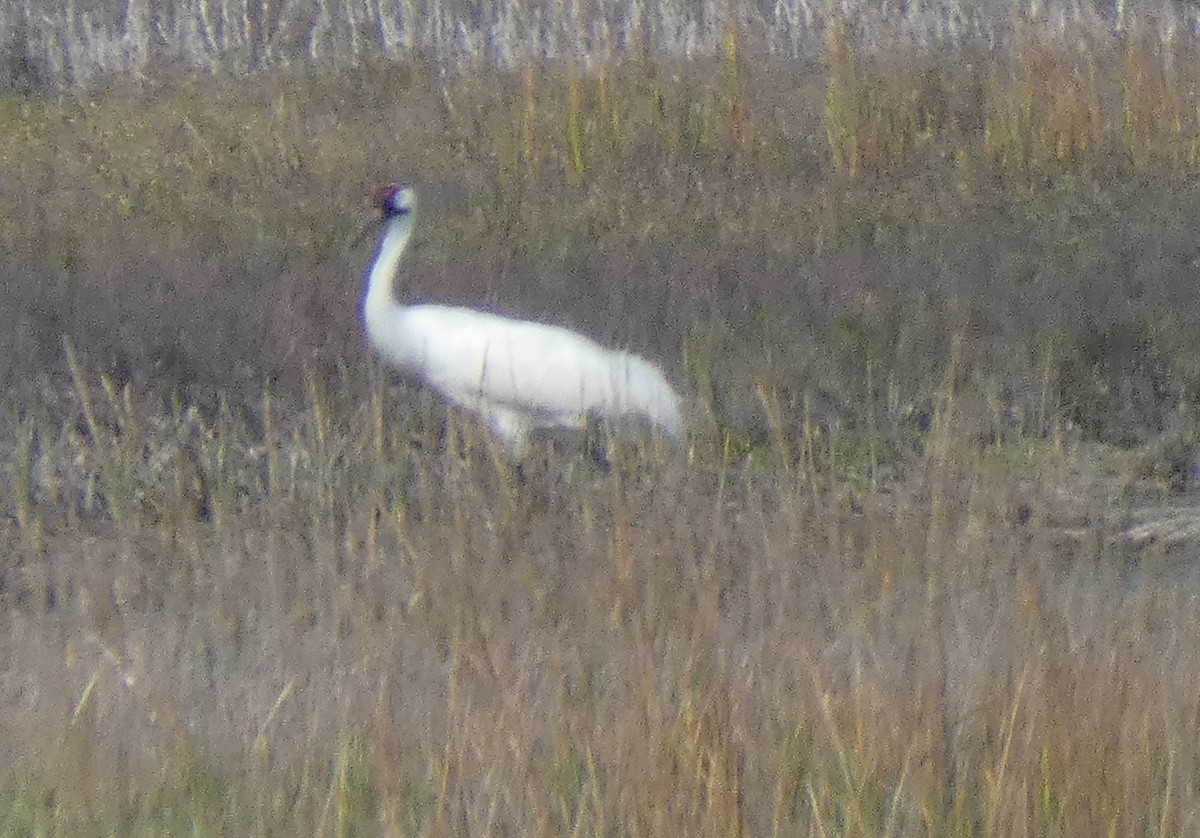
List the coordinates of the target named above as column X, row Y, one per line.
column 396, row 199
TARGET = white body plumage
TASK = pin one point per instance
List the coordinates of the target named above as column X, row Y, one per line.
column 517, row 375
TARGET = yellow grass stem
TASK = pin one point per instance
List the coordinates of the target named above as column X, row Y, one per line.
column 23, row 476
column 768, row 397
column 996, row 778
column 529, row 150
column 815, row 806
column 1164, row 818
column 575, row 129
column 85, row 398
column 809, row 439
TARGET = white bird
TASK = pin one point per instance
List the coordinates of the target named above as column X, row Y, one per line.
column 517, row 375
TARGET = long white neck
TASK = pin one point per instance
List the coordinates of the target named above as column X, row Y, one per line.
column 378, row 299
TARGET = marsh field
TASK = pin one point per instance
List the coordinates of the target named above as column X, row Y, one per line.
column 927, row 564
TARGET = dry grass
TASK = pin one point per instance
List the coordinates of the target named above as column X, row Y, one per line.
column 901, row 581
column 334, row 624
column 741, row 223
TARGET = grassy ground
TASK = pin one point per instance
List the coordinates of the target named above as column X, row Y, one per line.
column 924, row 567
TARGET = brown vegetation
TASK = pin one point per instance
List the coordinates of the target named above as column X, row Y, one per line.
column 937, row 332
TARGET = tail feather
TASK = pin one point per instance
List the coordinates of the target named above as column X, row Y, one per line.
column 645, row 392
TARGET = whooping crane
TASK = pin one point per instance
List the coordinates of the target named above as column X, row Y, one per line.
column 517, row 375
